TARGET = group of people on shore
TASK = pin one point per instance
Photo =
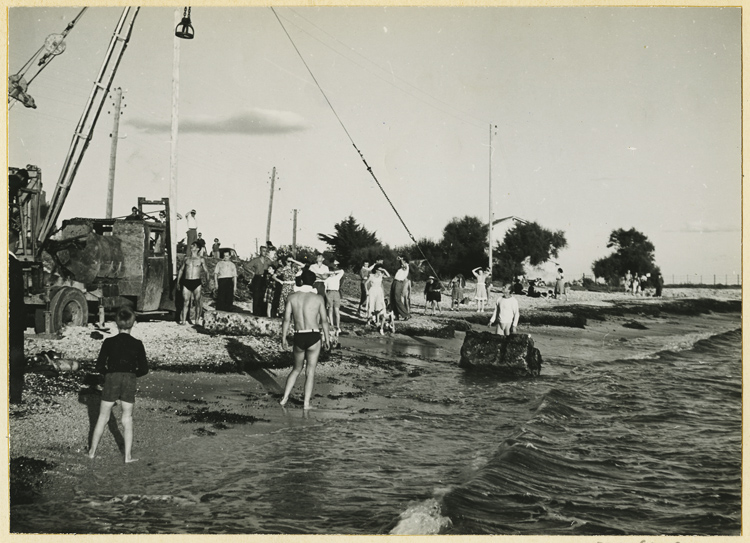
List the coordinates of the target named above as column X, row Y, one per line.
column 640, row 284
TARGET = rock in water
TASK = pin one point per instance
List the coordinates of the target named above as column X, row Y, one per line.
column 512, row 356
column 240, row 324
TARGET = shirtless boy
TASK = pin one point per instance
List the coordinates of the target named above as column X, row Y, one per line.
column 189, row 277
column 306, row 308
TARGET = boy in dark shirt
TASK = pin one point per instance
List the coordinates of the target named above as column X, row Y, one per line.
column 121, row 359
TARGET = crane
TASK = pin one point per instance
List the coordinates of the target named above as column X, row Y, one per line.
column 85, row 128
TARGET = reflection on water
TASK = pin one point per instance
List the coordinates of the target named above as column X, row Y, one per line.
column 438, row 349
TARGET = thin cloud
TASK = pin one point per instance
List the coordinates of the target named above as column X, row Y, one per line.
column 250, row 122
column 701, row 227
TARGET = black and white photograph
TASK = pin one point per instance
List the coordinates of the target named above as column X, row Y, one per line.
column 375, row 270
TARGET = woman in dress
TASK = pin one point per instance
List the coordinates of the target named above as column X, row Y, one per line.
column 457, row 291
column 375, row 293
column 560, row 284
column 432, row 294
column 286, row 276
column 481, row 295
column 272, row 284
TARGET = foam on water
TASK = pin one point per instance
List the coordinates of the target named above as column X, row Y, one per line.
column 423, row 518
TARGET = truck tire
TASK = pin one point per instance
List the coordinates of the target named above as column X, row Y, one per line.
column 68, row 307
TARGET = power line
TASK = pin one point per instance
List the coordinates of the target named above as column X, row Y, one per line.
column 386, row 80
column 369, row 169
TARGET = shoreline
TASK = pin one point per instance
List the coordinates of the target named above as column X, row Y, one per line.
column 195, row 388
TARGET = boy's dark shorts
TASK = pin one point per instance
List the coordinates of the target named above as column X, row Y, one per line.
column 119, row 386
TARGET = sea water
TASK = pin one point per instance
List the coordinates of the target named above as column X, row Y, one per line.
column 648, row 443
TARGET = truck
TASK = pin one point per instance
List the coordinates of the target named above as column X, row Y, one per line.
column 89, row 263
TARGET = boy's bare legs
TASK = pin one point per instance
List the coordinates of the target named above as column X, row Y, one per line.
column 299, row 360
column 105, row 410
column 127, row 426
column 312, row 360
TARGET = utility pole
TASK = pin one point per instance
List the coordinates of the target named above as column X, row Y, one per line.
column 270, row 205
column 173, row 154
column 113, row 152
column 490, row 200
column 294, row 234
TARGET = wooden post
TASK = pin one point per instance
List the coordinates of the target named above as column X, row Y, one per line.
column 294, row 234
column 113, row 152
column 270, row 204
column 490, row 202
column 173, row 154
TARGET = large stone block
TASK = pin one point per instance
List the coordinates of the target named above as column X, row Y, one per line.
column 240, row 324
column 512, row 356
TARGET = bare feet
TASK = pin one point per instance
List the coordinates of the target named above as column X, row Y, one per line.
column 130, row 460
column 283, row 401
column 307, row 407
column 91, row 454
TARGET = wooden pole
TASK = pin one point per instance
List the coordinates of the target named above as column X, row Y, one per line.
column 270, row 205
column 490, row 200
column 173, row 153
column 113, row 152
column 294, row 234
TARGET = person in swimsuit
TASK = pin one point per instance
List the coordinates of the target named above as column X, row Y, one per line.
column 306, row 308
column 189, row 277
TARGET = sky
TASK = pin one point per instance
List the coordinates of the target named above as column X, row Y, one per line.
column 582, row 119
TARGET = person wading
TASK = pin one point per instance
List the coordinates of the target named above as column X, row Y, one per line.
column 306, row 309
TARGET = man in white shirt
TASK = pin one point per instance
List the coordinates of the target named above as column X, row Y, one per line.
column 506, row 313
column 321, row 274
column 333, row 284
column 192, row 231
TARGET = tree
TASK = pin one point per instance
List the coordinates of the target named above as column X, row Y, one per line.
column 464, row 245
column 526, row 241
column 349, row 237
column 632, row 252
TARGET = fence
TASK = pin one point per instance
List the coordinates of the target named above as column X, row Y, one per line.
column 725, row 279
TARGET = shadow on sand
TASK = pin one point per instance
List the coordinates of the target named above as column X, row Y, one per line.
column 250, row 362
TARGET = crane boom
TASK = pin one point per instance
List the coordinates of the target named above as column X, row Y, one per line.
column 85, row 128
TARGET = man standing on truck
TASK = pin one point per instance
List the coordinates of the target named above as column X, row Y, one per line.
column 189, row 277
column 192, row 225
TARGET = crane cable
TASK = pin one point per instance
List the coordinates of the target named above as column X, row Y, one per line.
column 369, row 169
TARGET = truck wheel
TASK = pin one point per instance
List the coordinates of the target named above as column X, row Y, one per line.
column 68, row 307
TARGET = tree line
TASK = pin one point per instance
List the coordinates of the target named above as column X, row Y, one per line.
column 463, row 247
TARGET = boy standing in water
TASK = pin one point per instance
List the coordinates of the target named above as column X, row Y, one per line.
column 506, row 313
column 308, row 310
column 122, row 359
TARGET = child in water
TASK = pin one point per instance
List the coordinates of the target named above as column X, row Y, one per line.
column 387, row 321
column 121, row 360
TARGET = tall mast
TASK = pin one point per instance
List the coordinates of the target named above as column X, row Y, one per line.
column 173, row 146
column 113, row 153
column 490, row 200
column 270, row 205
